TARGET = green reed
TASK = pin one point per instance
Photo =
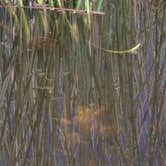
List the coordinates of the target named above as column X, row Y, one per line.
column 82, row 89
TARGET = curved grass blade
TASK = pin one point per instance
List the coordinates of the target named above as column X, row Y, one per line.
column 131, row 50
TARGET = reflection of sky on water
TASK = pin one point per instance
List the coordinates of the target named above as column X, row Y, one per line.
column 149, row 56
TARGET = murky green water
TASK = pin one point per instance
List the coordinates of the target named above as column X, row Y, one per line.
column 65, row 100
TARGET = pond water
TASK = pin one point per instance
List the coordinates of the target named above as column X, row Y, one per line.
column 66, row 98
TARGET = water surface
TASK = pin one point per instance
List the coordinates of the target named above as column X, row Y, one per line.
column 64, row 100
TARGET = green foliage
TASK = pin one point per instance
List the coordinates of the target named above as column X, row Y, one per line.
column 20, row 3
column 40, row 2
column 100, row 4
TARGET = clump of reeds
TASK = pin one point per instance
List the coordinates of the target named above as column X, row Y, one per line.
column 67, row 97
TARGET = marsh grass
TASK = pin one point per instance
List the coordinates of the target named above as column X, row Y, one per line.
column 64, row 100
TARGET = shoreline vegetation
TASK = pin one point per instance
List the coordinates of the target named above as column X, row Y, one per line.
column 57, row 9
column 75, row 6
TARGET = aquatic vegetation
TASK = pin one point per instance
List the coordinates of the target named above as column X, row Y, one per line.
column 64, row 101
column 124, row 51
column 78, row 4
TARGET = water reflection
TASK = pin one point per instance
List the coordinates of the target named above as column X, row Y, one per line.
column 64, row 101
